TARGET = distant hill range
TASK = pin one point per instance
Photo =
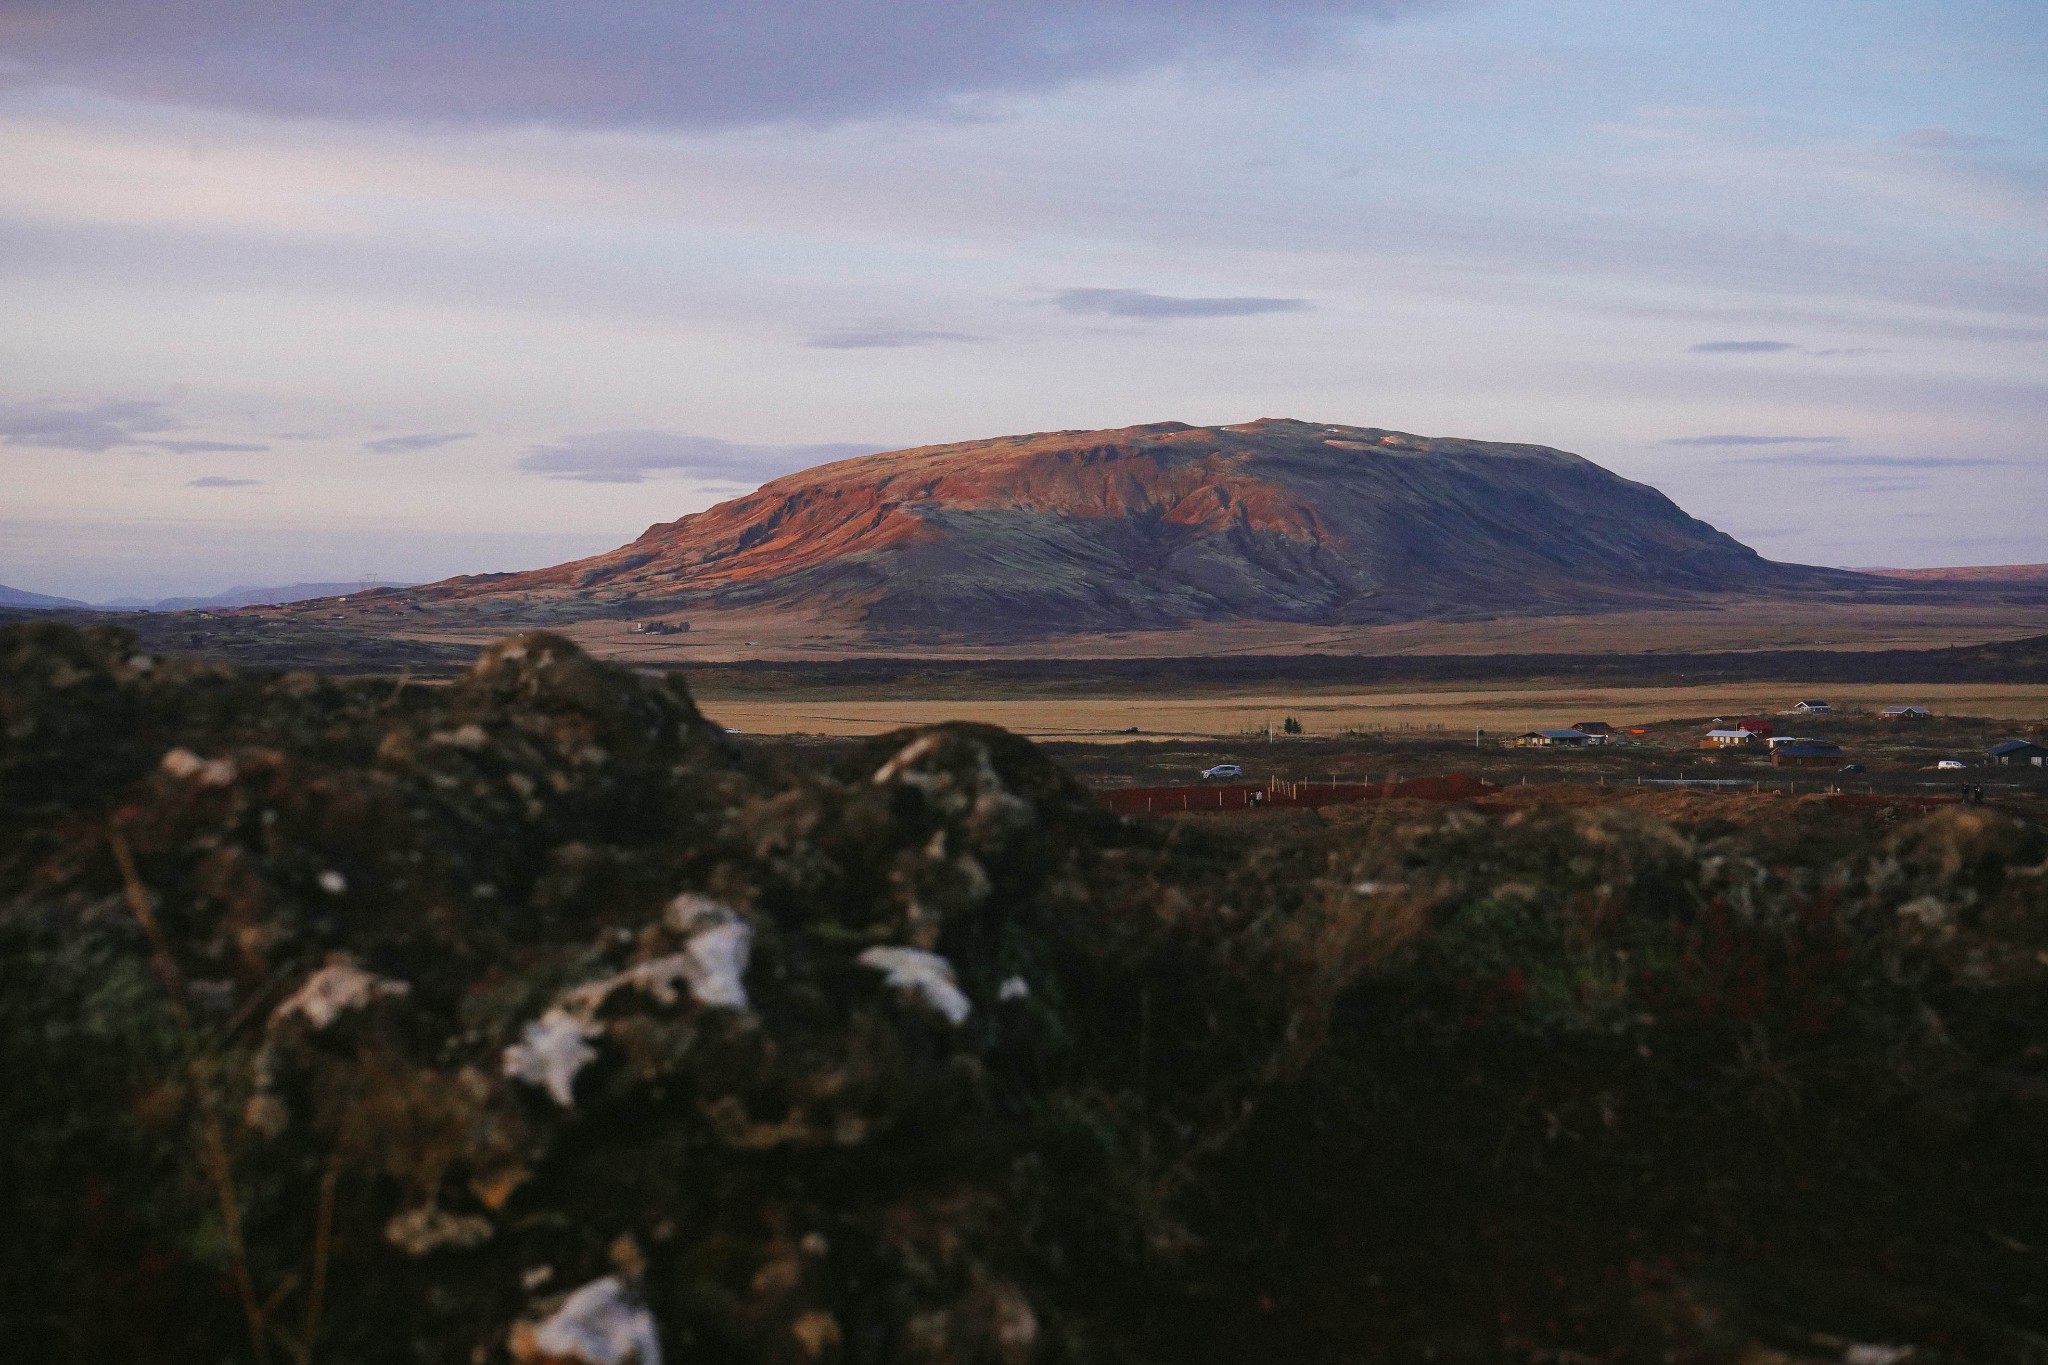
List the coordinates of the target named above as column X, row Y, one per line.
column 1987, row 573
column 15, row 597
column 1166, row 524
column 220, row 601
column 249, row 597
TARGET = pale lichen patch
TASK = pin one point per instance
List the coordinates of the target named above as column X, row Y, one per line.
column 603, row 1323
column 339, row 986
column 549, row 1053
column 422, row 1231
column 927, row 974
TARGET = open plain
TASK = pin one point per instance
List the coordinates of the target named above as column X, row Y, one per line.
column 1499, row 711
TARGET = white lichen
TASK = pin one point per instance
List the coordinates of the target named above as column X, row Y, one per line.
column 603, row 1323
column 470, row 736
column 423, row 1231
column 715, row 964
column 339, row 986
column 333, row 883
column 1014, row 988
column 714, row 959
column 928, row 974
column 187, row 766
column 712, row 964
column 906, row 757
column 549, row 1053
column 1929, row 914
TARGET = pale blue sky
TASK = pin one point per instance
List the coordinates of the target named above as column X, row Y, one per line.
column 387, row 291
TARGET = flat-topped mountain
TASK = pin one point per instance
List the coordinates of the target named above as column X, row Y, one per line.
column 1166, row 524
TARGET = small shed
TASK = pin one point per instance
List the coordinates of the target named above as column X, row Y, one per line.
column 1811, row 708
column 1808, row 755
column 1545, row 739
column 1727, row 739
column 2018, row 753
column 1905, row 713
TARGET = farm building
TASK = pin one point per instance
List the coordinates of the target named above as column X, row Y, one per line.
column 1811, row 708
column 2015, row 753
column 1545, row 739
column 1777, row 741
column 1760, row 728
column 1807, row 755
column 1593, row 727
column 1905, row 713
column 1727, row 739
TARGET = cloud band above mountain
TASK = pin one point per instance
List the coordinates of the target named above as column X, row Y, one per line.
column 91, row 428
column 630, row 456
column 1140, row 303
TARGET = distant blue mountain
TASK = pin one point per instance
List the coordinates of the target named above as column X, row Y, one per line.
column 15, row 597
column 244, row 597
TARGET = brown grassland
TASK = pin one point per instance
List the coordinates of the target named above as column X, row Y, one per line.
column 1497, row 710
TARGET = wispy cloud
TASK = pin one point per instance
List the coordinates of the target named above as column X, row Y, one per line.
column 1744, row 347
column 1832, row 460
column 1734, row 439
column 112, row 424
column 862, row 339
column 1779, row 348
column 426, row 440
column 630, row 456
column 1139, row 303
column 219, row 481
column 91, row 427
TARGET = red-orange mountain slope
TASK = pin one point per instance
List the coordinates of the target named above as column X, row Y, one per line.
column 1164, row 524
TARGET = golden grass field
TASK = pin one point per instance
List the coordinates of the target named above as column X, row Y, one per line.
column 1458, row 709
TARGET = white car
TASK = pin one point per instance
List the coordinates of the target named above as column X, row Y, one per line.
column 1951, row 763
column 1223, row 770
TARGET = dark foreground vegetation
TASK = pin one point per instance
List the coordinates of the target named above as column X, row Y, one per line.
column 529, row 1019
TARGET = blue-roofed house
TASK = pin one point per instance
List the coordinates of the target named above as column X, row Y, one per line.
column 2016, row 753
